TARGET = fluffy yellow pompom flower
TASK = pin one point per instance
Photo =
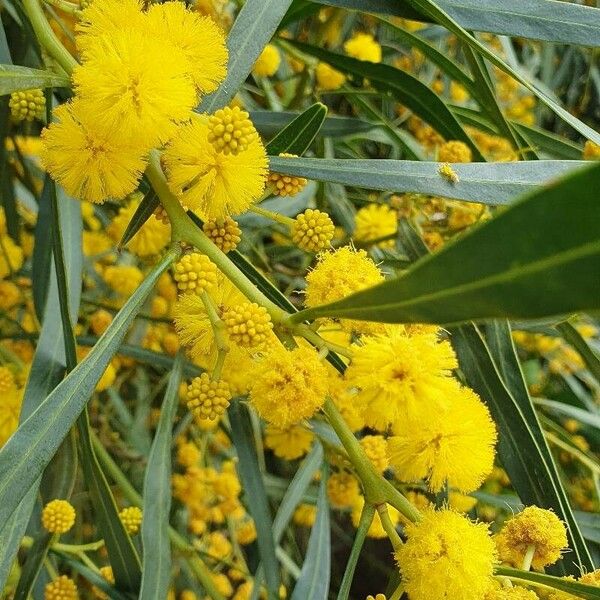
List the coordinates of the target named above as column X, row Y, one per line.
column 534, row 529
column 376, row 449
column 342, row 489
column 340, row 273
column 446, row 556
column 194, row 273
column 137, row 86
column 364, row 47
column 329, row 78
column 453, row 443
column 286, row 185
column 206, row 398
column 199, row 39
column 109, row 577
column 289, row 386
column 11, row 256
column 150, row 239
column 305, row 515
column 9, row 292
column 231, row 130
column 248, row 324
column 268, row 62
column 212, row 183
column 376, row 221
column 131, row 517
column 123, row 279
column 7, row 380
column 591, row 151
column 58, row 516
column 27, row 105
column 312, row 230
column 223, row 232
column 510, row 593
column 455, row 151
column 288, row 443
column 91, row 164
column 396, row 373
column 62, row 588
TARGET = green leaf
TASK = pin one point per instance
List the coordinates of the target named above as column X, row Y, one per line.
column 314, row 578
column 575, row 339
column 42, row 252
column 254, row 493
column 14, row 78
column 156, row 572
column 251, row 32
column 580, row 590
column 297, row 137
column 29, row 450
column 495, row 271
column 584, row 416
column 518, row 446
column 405, row 88
column 489, row 183
column 537, row 19
column 143, row 212
column 33, row 565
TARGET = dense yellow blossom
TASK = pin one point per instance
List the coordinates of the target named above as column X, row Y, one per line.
column 312, row 230
column 328, row 78
column 194, row 273
column 248, row 324
column 268, row 62
column 9, row 413
column 131, row 517
column 11, row 256
column 224, row 232
column 27, row 105
column 62, row 588
column 343, row 489
column 289, row 443
column 364, row 47
column 376, row 221
column 454, row 152
column 58, row 516
column 123, row 279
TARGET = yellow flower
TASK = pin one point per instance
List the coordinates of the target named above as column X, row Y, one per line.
column 231, row 130
column 151, row 238
column 364, row 47
column 10, row 409
column 286, row 185
column 289, row 386
column 245, row 532
column 510, row 593
column 62, row 588
column 90, row 164
column 223, row 232
column 248, row 324
column 533, row 528
column 9, row 292
column 591, row 151
column 446, row 556
column 212, row 183
column 58, row 516
column 452, row 442
column 376, row 221
column 592, row 578
column 312, row 230
column 206, row 398
column 131, row 517
column 199, row 39
column 289, row 443
column 376, row 449
column 27, row 105
column 268, row 62
column 11, row 256
column 455, row 152
column 397, row 373
column 342, row 489
column 123, row 279
column 328, row 78
column 194, row 273
column 137, row 86
column 305, row 515
column 95, row 243
column 109, row 577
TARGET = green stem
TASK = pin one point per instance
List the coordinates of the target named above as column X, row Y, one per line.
column 389, row 527
column 398, row 592
column 528, row 558
column 46, row 36
column 314, row 338
column 68, row 7
column 218, row 328
column 281, row 219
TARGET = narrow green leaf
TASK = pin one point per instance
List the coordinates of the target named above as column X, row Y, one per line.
column 575, row 339
column 251, row 32
column 580, row 590
column 558, row 260
column 314, row 578
column 254, row 493
column 297, row 137
column 26, row 454
column 548, row 20
column 42, row 252
column 489, row 183
column 584, row 416
column 300, row 9
column 156, row 571
column 549, row 143
column 142, row 213
column 14, row 78
column 33, row 565
column 405, row 88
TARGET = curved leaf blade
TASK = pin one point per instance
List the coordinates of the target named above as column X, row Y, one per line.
column 297, row 137
column 14, row 78
column 579, row 590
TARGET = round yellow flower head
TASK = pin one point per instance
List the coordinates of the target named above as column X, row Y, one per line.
column 9, row 415
column 591, row 151
column 150, row 239
column 376, row 221
column 58, row 516
column 289, row 386
column 342, row 489
column 212, row 183
column 510, row 593
column 397, row 374
column 109, row 577
column 312, row 230
column 11, row 256
column 90, row 163
column 206, row 398
column 364, row 47
column 62, row 588
column 7, row 380
column 223, row 232
column 268, row 62
column 248, row 324
column 100, row 320
column 199, row 39
column 123, row 279
column 533, row 528
column 305, row 515
column 245, row 532
column 131, row 517
column 286, row 185
column 376, row 597
column 376, row 449
column 289, row 443
column 27, row 105
column 328, row 78
column 9, row 292
column 446, row 556
column 340, row 273
column 455, row 152
column 592, row 578
column 194, row 273
column 452, row 443
column 231, row 130
column 137, row 86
